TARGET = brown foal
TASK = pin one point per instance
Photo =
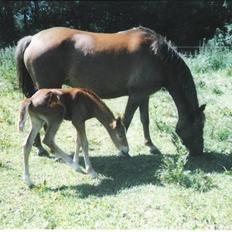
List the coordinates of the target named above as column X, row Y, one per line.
column 51, row 106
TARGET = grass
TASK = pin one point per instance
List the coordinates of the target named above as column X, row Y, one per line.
column 147, row 191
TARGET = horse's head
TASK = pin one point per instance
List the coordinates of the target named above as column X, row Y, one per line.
column 190, row 131
column 118, row 135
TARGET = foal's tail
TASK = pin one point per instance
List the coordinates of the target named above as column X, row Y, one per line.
column 23, row 113
column 24, row 79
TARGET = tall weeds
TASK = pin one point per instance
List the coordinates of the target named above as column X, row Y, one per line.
column 214, row 54
column 173, row 171
column 7, row 69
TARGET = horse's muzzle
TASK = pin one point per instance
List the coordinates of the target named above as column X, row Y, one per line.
column 196, row 152
column 125, row 149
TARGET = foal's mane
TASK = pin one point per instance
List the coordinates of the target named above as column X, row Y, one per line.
column 97, row 100
column 174, row 63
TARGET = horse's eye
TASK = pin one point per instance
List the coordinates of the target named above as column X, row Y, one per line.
column 120, row 136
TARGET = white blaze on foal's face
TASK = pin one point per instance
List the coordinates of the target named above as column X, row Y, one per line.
column 119, row 135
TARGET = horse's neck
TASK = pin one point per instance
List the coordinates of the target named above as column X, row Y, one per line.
column 183, row 92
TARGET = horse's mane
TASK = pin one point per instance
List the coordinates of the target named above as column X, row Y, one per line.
column 168, row 55
column 161, row 47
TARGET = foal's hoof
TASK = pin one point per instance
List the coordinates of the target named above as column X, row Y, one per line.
column 43, row 153
column 93, row 175
column 123, row 154
column 28, row 182
column 59, row 160
column 78, row 168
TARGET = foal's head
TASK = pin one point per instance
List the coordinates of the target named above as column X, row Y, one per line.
column 118, row 135
column 191, row 131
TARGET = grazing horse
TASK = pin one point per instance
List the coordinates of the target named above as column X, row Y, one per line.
column 51, row 107
column 135, row 63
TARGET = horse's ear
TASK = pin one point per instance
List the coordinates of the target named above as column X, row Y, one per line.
column 202, row 107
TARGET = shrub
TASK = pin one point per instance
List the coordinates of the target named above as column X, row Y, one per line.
column 7, row 68
column 214, row 54
column 172, row 171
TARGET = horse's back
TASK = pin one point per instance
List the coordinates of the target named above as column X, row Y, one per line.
column 107, row 63
column 131, row 40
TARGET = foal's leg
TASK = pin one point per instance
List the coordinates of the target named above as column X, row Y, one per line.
column 76, row 155
column 36, row 125
column 85, row 147
column 41, row 151
column 144, row 117
column 49, row 140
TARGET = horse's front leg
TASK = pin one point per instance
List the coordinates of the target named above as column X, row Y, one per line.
column 132, row 105
column 144, row 117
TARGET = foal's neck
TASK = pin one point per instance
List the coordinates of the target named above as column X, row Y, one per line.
column 102, row 113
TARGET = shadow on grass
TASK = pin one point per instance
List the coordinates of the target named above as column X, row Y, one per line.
column 124, row 173
column 119, row 173
column 5, row 166
column 210, row 162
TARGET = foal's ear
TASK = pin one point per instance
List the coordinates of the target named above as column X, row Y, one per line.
column 113, row 124
column 116, row 123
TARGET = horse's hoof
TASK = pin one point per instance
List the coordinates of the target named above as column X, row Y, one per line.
column 155, row 151
column 43, row 153
column 195, row 155
column 123, row 154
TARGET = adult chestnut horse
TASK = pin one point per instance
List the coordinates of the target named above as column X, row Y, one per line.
column 135, row 63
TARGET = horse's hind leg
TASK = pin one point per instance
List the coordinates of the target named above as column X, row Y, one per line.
column 36, row 125
column 144, row 117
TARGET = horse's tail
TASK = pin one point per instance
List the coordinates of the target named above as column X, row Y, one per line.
column 23, row 113
column 24, row 79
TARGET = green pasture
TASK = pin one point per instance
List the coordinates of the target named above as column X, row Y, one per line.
column 168, row 191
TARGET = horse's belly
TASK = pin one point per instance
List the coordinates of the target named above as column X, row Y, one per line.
column 103, row 84
column 108, row 77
